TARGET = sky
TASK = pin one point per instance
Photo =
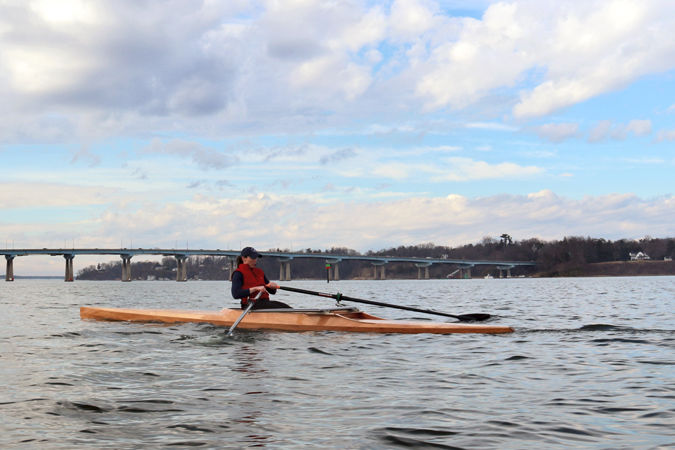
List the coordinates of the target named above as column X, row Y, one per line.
column 301, row 124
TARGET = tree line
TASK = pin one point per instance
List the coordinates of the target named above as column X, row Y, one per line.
column 571, row 256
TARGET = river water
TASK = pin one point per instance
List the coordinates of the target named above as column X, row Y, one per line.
column 590, row 365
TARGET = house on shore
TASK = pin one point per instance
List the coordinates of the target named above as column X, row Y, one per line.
column 639, row 256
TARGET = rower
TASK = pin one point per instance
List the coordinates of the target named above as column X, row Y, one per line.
column 248, row 281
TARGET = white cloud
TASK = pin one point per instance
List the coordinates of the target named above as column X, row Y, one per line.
column 445, row 169
column 486, row 56
column 214, row 67
column 641, row 127
column 47, row 195
column 204, row 157
column 596, row 48
column 411, row 18
column 570, row 52
column 466, row 169
column 558, row 132
column 491, row 126
column 666, row 135
column 606, row 129
column 600, row 131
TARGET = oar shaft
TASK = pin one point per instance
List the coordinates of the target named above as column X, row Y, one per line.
column 234, row 325
column 368, row 302
column 251, row 302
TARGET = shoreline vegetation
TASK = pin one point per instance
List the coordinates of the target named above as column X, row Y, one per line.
column 569, row 257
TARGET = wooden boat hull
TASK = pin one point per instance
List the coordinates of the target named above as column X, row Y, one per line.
column 348, row 319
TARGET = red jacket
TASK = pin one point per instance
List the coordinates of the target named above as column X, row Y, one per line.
column 252, row 277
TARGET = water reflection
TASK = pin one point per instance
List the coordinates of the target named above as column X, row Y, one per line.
column 250, row 406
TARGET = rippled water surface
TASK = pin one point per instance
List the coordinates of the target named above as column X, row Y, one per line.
column 590, row 365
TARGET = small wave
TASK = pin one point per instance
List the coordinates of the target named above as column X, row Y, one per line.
column 632, row 341
column 616, row 409
column 597, row 327
column 158, row 401
column 659, row 414
column 134, row 333
column 78, row 406
column 184, row 337
column 516, row 358
column 134, row 409
column 191, row 428
column 575, row 431
column 67, row 335
column 317, row 350
column 424, row 431
column 23, row 401
column 186, row 444
column 603, row 327
column 415, row 437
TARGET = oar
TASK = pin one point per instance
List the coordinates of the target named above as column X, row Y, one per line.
column 248, row 308
column 339, row 297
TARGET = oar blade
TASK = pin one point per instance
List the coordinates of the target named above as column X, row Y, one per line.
column 478, row 317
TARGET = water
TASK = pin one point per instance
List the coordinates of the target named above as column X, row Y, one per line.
column 590, row 365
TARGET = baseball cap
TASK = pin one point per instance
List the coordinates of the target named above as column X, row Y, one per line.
column 250, row 252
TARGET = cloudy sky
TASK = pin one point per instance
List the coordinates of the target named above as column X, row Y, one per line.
column 362, row 124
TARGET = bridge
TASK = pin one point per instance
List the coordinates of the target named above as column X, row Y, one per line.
column 332, row 261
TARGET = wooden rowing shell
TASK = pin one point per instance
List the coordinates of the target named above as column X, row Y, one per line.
column 344, row 319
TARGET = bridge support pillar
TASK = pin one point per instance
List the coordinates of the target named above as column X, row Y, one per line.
column 231, row 266
column 126, row 267
column 333, row 269
column 505, row 268
column 465, row 271
column 9, row 273
column 426, row 273
column 382, row 273
column 501, row 273
column 181, row 268
column 426, row 270
column 285, row 270
column 69, row 267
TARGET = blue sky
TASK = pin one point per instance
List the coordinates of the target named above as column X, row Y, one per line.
column 296, row 124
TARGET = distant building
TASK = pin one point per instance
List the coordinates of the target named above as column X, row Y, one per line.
column 639, row 256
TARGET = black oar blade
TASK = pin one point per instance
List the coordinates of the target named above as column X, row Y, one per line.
column 478, row 317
